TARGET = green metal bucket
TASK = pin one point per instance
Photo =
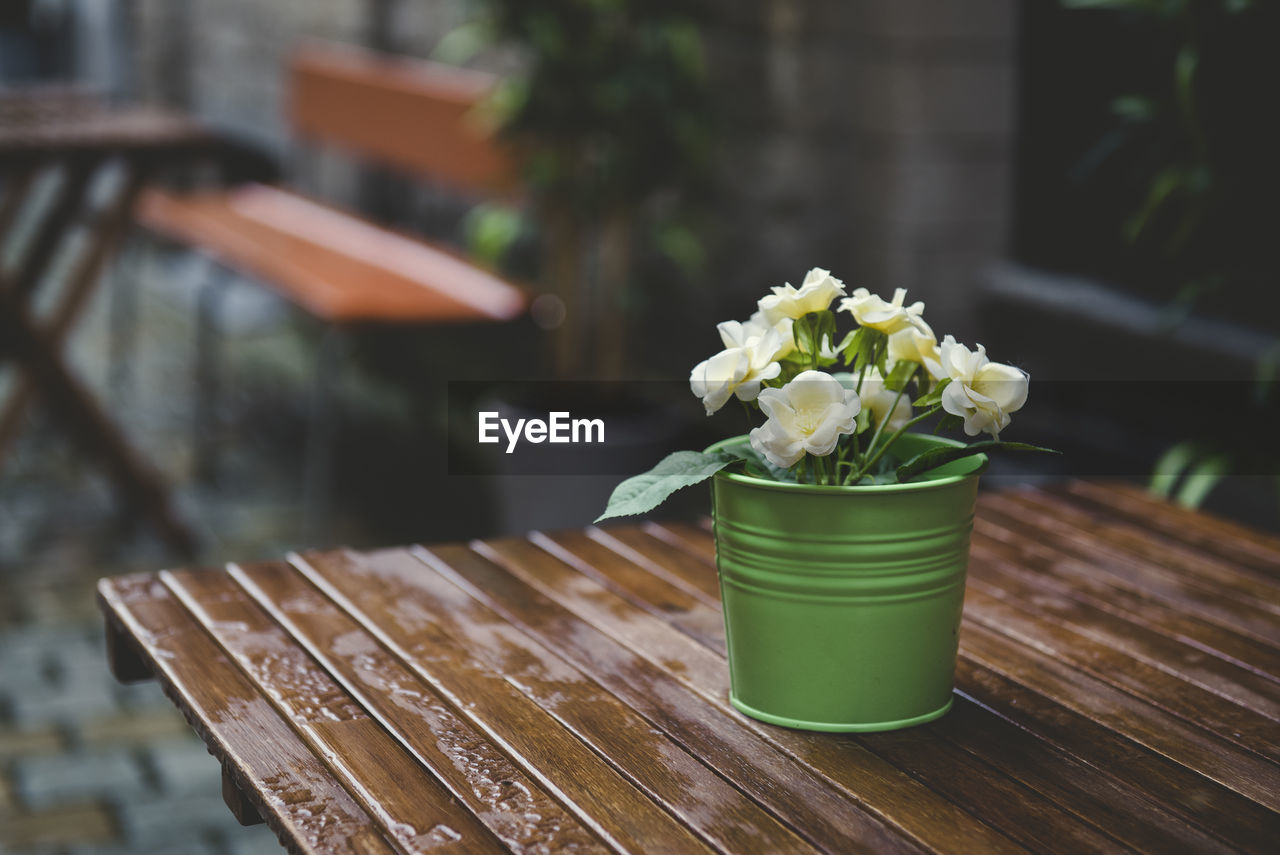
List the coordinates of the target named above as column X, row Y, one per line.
column 842, row 604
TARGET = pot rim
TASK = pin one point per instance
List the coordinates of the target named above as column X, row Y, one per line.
column 980, row 462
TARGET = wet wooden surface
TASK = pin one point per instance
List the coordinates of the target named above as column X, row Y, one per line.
column 1118, row 689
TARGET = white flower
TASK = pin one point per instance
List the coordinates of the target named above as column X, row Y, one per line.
column 917, row 343
column 981, row 392
column 814, row 295
column 809, row 414
column 757, row 324
column 878, row 398
column 747, row 360
column 870, row 310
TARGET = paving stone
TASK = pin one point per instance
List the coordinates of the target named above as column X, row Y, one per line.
column 144, row 698
column 186, row 768
column 146, row 823
column 26, row 654
column 63, row 704
column 142, row 728
column 254, row 840
column 21, row 742
column 51, row 605
column 85, row 822
column 189, row 846
column 44, row 781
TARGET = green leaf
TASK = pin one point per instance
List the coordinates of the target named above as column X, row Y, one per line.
column 461, row 44
column 934, row 395
column 491, row 229
column 1134, row 108
column 848, row 346
column 803, row 331
column 936, row 457
column 869, row 344
column 948, row 422
column 901, row 373
column 852, row 345
column 1170, row 467
column 1201, row 480
column 826, row 326
column 642, row 493
column 1164, row 187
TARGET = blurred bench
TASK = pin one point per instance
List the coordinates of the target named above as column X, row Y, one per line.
column 415, row 116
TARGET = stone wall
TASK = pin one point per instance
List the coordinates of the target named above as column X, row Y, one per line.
column 873, row 137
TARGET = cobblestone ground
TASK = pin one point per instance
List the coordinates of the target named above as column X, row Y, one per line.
column 89, row 766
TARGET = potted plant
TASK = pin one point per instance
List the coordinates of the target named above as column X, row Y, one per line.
column 842, row 536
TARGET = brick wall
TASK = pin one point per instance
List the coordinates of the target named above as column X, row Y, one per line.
column 869, row 136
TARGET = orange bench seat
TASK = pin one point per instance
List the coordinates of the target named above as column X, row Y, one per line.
column 332, row 264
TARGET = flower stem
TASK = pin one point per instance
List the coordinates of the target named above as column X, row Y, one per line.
column 880, row 427
column 899, row 432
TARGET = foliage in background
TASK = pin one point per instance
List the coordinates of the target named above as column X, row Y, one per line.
column 611, row 115
column 1195, row 156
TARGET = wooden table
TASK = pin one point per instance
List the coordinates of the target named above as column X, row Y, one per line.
column 1118, row 688
column 79, row 145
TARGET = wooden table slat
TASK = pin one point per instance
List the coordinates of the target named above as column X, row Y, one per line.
column 295, row 793
column 1129, row 602
column 845, row 761
column 1123, row 537
column 733, row 748
column 698, row 542
column 963, row 776
column 1210, row 754
column 506, row 800
column 1231, row 816
column 561, row 760
column 1238, row 543
column 1145, row 578
column 689, row 613
column 1044, row 603
column 1194, row 705
column 638, row 547
column 1125, row 811
column 1118, row 689
column 413, row 810
column 661, row 767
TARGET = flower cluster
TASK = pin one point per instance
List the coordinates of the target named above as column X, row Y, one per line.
column 834, row 426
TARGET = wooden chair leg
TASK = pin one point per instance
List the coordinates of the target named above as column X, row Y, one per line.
column 127, row 664
column 88, row 424
column 241, row 808
column 79, row 286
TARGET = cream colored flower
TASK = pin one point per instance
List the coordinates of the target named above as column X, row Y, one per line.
column 916, row 343
column 814, row 295
column 745, row 363
column 808, row 415
column 758, row 325
column 869, row 310
column 981, row 392
column 879, row 399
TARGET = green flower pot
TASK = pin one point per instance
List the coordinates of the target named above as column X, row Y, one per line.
column 842, row 604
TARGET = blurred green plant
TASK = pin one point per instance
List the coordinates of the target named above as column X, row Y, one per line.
column 1190, row 147
column 1199, row 155
column 611, row 116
